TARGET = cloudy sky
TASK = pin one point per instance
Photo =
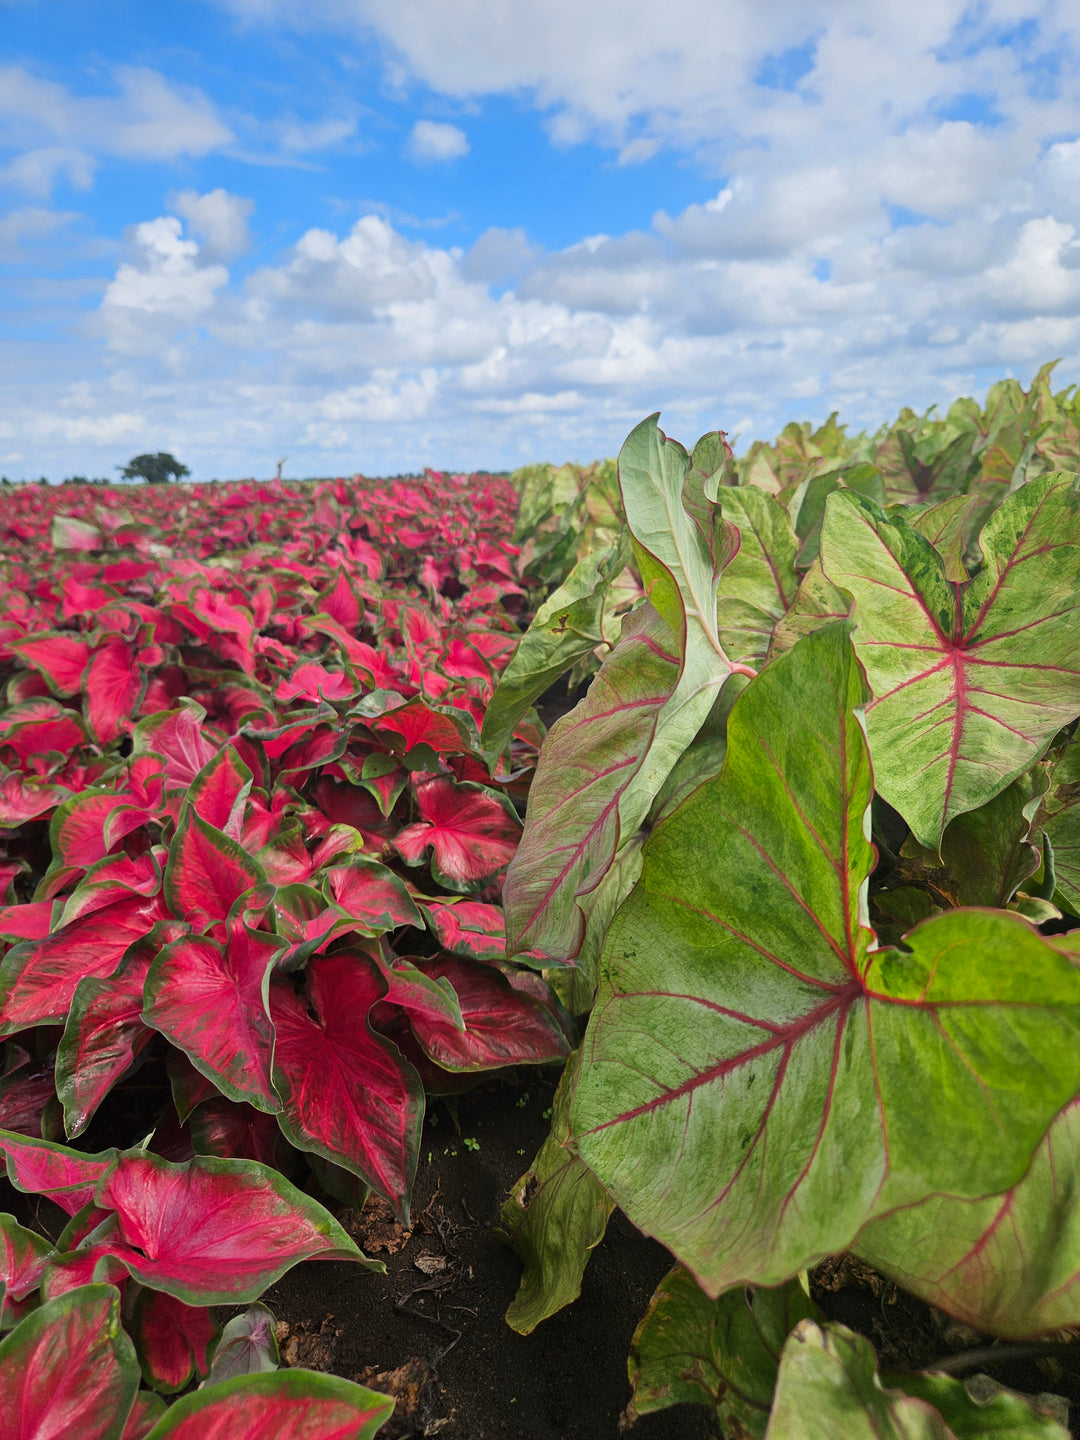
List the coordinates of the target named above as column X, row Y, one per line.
column 381, row 234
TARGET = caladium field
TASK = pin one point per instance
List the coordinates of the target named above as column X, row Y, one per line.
column 793, row 888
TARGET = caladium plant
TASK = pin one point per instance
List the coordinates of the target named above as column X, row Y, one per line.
column 800, row 1043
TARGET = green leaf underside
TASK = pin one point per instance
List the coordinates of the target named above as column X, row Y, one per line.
column 602, row 764
column 722, row 1353
column 556, row 1215
column 1008, row 1265
column 828, row 1390
column 972, row 681
column 756, row 1081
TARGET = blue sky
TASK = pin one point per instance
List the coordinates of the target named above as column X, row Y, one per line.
column 380, row 234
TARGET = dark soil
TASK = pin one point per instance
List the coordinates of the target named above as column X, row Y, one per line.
column 432, row 1328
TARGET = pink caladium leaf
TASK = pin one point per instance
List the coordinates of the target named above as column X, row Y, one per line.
column 77, row 830
column 346, row 1093
column 472, row 833
column 375, row 898
column 428, row 997
column 144, row 1414
column 502, row 1026
column 23, row 799
column 187, row 1086
column 40, row 727
column 172, row 1339
column 38, row 979
column 23, row 1258
column 66, row 1176
column 90, row 1264
column 113, row 683
column 210, row 1000
column 742, row 1055
column 60, row 656
column 219, row 792
column 177, row 738
column 26, row 1097
column 214, row 1231
column 32, row 921
column 351, row 805
column 207, row 872
column 971, row 680
column 286, row 1405
column 69, row 1369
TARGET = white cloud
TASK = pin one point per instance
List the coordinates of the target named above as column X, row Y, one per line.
column 54, row 132
column 30, row 224
column 218, row 218
column 431, row 140
column 161, row 290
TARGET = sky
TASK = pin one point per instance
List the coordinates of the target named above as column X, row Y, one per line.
column 378, row 235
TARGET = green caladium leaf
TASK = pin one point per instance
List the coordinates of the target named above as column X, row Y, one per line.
column 1061, row 825
column 566, row 628
column 952, row 528
column 817, row 602
column 555, row 1217
column 971, row 682
column 749, row 1046
column 991, row 851
column 723, row 1353
column 602, row 764
column 828, row 1390
column 760, row 583
column 1010, row 1264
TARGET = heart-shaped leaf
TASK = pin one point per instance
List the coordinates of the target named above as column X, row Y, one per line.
column 207, row 872
column 472, row 833
column 503, row 1025
column 346, row 1093
column 748, row 1046
column 23, row 1258
column 214, row 1231
column 971, row 681
column 172, row 1339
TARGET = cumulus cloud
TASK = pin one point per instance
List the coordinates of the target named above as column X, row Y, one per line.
column 431, row 140
column 54, row 132
column 162, row 289
column 218, row 218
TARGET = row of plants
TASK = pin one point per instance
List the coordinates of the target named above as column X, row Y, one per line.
column 812, row 841
column 265, row 756
column 252, row 854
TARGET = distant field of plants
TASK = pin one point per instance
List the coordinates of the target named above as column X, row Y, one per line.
column 792, row 892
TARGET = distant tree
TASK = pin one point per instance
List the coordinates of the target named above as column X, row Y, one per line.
column 157, row 469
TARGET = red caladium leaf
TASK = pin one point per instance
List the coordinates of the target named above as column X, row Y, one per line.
column 27, row 922
column 469, row 928
column 23, row 1258
column 503, row 1026
column 214, row 1231
column 25, row 1095
column 287, row 1405
column 472, row 833
column 23, row 799
column 239, row 1132
column 172, row 1339
column 116, row 877
column 60, row 656
column 40, row 726
column 77, row 830
column 143, row 1415
column 346, row 1093
column 68, row 1370
column 187, row 1086
column 67, row 1176
column 105, row 1032
column 373, row 896
column 219, row 792
column 38, row 978
column 91, row 1264
column 210, row 1000
column 350, row 805
column 430, row 997
column 207, row 872
column 447, row 731
column 113, row 683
